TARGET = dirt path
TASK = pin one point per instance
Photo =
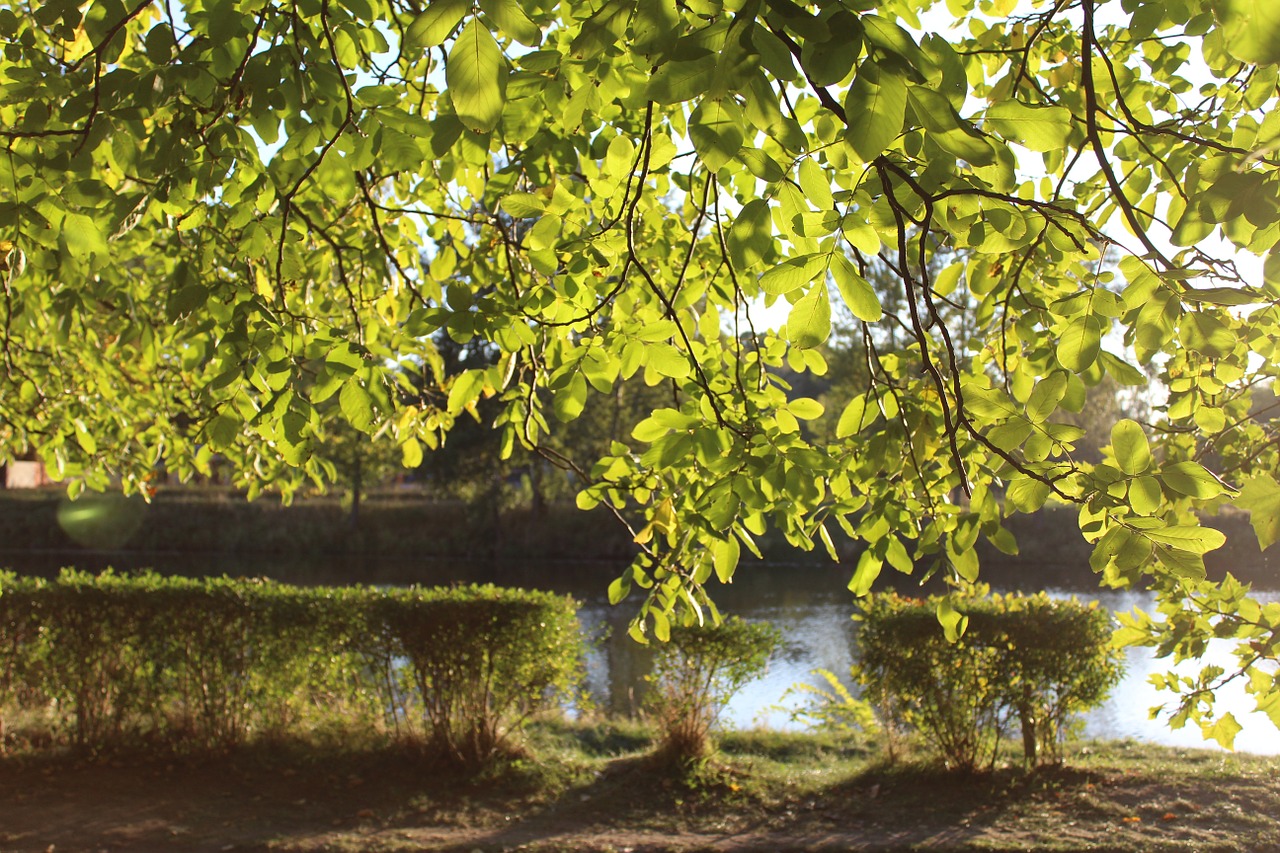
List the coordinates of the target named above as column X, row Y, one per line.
column 229, row 805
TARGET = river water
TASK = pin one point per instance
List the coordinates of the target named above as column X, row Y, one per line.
column 810, row 604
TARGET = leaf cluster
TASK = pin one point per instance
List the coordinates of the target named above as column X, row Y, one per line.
column 227, row 227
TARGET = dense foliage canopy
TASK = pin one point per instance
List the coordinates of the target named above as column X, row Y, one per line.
column 226, row 224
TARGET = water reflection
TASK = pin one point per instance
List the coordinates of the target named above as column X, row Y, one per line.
column 808, row 603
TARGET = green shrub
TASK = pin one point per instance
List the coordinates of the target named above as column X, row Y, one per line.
column 1033, row 660
column 696, row 672
column 481, row 659
column 212, row 662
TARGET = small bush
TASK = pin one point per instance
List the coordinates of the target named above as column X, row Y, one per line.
column 481, row 659
column 696, row 672
column 1034, row 659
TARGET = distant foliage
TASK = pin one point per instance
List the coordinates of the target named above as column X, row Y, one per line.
column 696, row 672
column 1031, row 660
column 212, row 662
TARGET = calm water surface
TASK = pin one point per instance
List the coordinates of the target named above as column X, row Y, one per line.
column 808, row 603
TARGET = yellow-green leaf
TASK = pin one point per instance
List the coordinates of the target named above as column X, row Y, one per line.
column 510, row 18
column 856, row 291
column 1250, row 29
column 716, row 130
column 1036, row 127
column 477, row 77
column 875, row 108
column 1129, row 443
column 809, row 323
column 435, row 24
column 793, row 273
column 1260, row 496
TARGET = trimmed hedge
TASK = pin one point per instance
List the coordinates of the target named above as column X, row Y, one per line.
column 1032, row 659
column 215, row 661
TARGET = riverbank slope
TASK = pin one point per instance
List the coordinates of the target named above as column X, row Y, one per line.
column 592, row 789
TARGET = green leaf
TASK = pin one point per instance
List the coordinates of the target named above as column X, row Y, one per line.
column 725, row 554
column 411, row 453
column 82, row 236
column 897, row 555
column 1224, row 295
column 751, row 235
column 1045, row 397
column 1223, row 731
column 661, row 626
column 793, row 273
column 477, row 77
column 511, row 19
column 619, row 158
column 85, row 438
column 806, row 408
column 223, row 430
column 435, row 24
column 868, row 569
column 667, row 360
column 1205, row 333
column 1129, row 442
column 1027, row 494
column 569, row 401
column 828, row 545
column 716, row 129
column 809, row 323
column 186, row 300
column 619, row 588
column 853, row 418
column 816, row 184
column 1250, row 29
column 678, row 82
column 1260, row 497
column 953, row 622
column 875, row 109
column 1036, row 127
column 466, row 388
column 1145, row 495
column 947, row 129
column 1189, row 538
column 1191, row 479
column 1120, row 370
column 357, row 405
column 1080, row 343
column 828, row 62
column 523, row 205
column 655, row 25
column 857, row 293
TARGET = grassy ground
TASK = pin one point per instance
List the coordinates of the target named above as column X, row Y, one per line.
column 594, row 787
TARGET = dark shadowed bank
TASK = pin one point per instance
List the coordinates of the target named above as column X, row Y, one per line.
column 595, row 792
column 196, row 531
